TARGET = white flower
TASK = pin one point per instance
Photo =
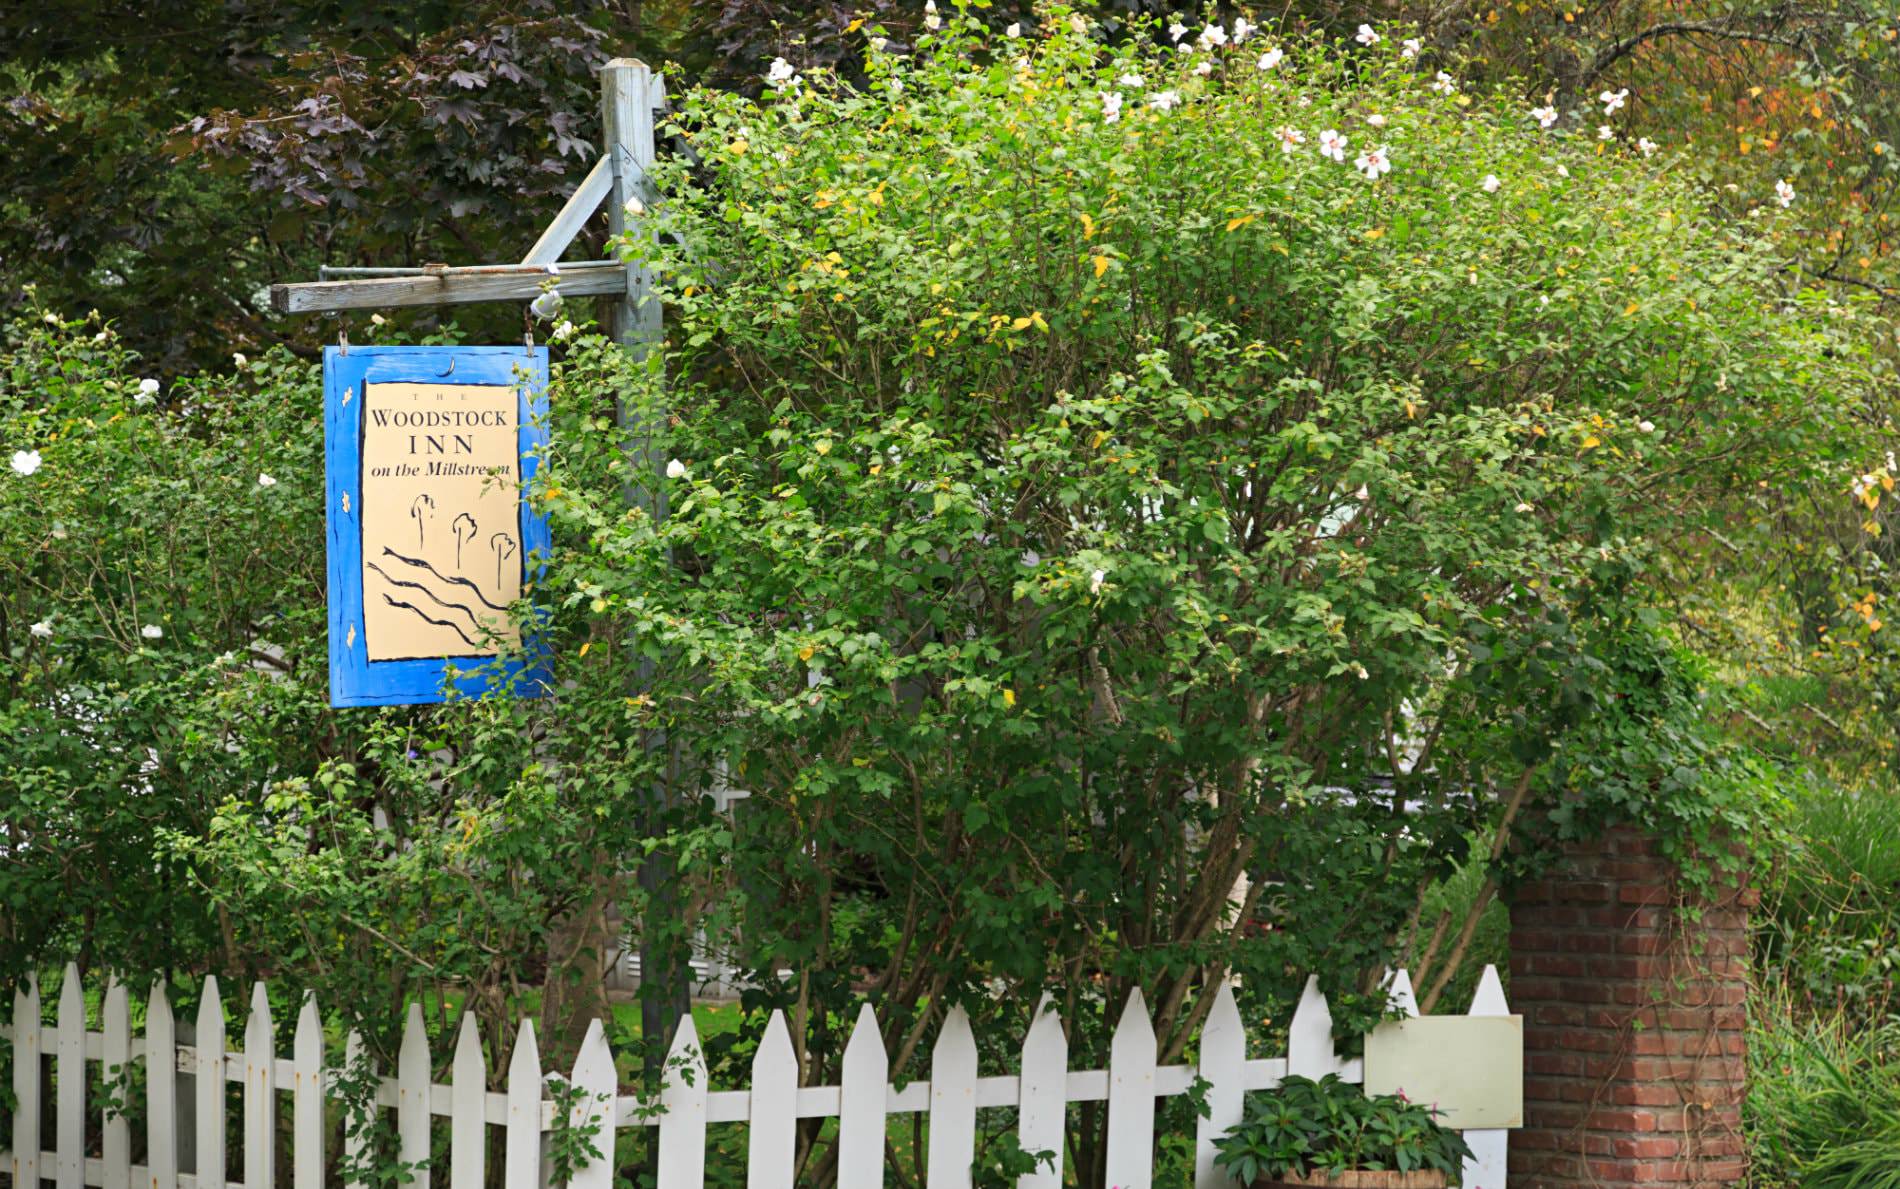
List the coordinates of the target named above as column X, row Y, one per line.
column 1204, row 67
column 1111, row 106
column 1130, row 79
column 1271, row 58
column 1613, row 100
column 1605, row 132
column 1176, row 31
column 1543, row 299
column 102, row 337
column 897, row 86
column 1408, row 49
column 1491, row 183
column 1646, row 426
column 781, row 74
column 931, row 20
column 152, row 631
column 377, row 319
column 43, row 629
column 1545, row 116
column 878, row 44
column 1444, row 84
column 1524, row 507
column 52, row 319
column 546, row 305
column 25, row 462
column 1164, row 100
column 1015, row 30
column 238, row 360
column 1367, row 35
column 1332, row 144
column 264, row 480
column 1243, row 29
column 1095, row 581
column 1647, row 146
column 564, row 330
column 1563, row 171
column 1376, row 120
column 1784, row 193
column 1079, row 24
column 1212, row 36
column 148, row 388
column 1290, row 138
column 675, row 469
column 1373, row 163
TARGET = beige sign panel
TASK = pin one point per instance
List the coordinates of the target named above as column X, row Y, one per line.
column 1471, row 1068
column 441, row 519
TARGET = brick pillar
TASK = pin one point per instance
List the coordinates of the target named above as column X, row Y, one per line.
column 1633, row 1057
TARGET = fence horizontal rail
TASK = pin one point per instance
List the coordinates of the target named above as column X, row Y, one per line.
column 186, row 1149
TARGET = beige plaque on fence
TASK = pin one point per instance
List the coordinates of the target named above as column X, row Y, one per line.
column 441, row 519
column 1471, row 1068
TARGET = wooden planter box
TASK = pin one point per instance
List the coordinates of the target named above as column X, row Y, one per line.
column 1357, row 1180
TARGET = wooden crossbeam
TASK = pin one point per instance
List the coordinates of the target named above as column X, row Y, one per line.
column 503, row 282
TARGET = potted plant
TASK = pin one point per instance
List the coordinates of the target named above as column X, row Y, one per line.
column 1330, row 1133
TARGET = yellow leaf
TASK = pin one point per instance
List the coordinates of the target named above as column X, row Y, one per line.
column 585, row 647
column 854, row 26
column 1631, row 308
column 1020, row 324
column 805, row 653
column 1592, row 442
column 738, row 147
column 1009, row 697
column 1375, row 233
column 1411, row 411
column 1101, row 266
column 1241, row 221
column 1088, row 226
column 1037, row 321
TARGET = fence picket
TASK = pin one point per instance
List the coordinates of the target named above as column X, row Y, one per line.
column 1398, row 992
column 115, row 1069
column 211, row 1088
column 594, row 1075
column 161, row 1090
column 953, row 1103
column 1131, row 1097
column 468, row 1132
column 773, row 1111
column 1489, row 1147
column 307, row 1088
column 356, row 1065
column 26, row 1084
column 1309, row 1039
column 260, row 1094
column 521, row 1166
column 412, row 1098
column 1042, row 1104
column 69, row 1094
column 682, row 1146
column 1223, row 1065
column 861, row 1106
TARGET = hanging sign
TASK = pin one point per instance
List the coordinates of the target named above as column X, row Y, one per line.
column 429, row 451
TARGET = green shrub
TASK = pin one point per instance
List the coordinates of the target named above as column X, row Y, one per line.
column 1332, row 1126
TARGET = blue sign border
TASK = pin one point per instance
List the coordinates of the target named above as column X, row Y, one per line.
column 354, row 679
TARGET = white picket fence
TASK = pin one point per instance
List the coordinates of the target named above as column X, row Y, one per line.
column 1040, row 1094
